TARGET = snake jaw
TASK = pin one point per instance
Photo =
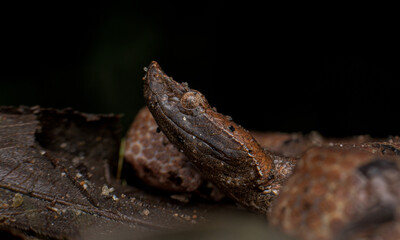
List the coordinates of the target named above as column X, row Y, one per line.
column 224, row 152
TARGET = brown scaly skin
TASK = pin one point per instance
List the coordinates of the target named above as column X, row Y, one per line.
column 341, row 193
column 224, row 152
column 158, row 163
column 341, row 190
column 155, row 160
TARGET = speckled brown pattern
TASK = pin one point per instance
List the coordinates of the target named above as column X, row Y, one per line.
column 158, row 163
column 225, row 153
column 286, row 144
column 155, row 160
column 338, row 193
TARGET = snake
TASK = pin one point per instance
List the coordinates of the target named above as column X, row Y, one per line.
column 307, row 186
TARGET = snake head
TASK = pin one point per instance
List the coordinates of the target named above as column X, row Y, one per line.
column 170, row 95
column 224, row 152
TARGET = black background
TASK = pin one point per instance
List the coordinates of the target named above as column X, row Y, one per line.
column 332, row 68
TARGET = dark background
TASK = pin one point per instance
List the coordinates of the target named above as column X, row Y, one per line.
column 334, row 69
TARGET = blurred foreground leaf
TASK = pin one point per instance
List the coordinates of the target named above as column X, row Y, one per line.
column 55, row 179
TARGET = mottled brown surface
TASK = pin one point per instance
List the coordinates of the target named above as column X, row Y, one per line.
column 335, row 193
column 155, row 160
column 340, row 189
column 158, row 163
column 224, row 152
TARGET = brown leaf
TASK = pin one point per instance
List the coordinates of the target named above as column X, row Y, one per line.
column 55, row 178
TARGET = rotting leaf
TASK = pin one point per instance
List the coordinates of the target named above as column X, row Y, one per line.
column 54, row 165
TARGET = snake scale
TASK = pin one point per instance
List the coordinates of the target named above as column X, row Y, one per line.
column 309, row 187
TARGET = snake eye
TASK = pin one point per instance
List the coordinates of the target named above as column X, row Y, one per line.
column 191, row 100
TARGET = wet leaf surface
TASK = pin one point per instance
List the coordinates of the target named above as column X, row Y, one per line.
column 56, row 182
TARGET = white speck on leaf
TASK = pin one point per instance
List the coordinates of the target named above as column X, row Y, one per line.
column 105, row 190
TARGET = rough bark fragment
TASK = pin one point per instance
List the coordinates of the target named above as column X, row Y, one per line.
column 55, row 180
